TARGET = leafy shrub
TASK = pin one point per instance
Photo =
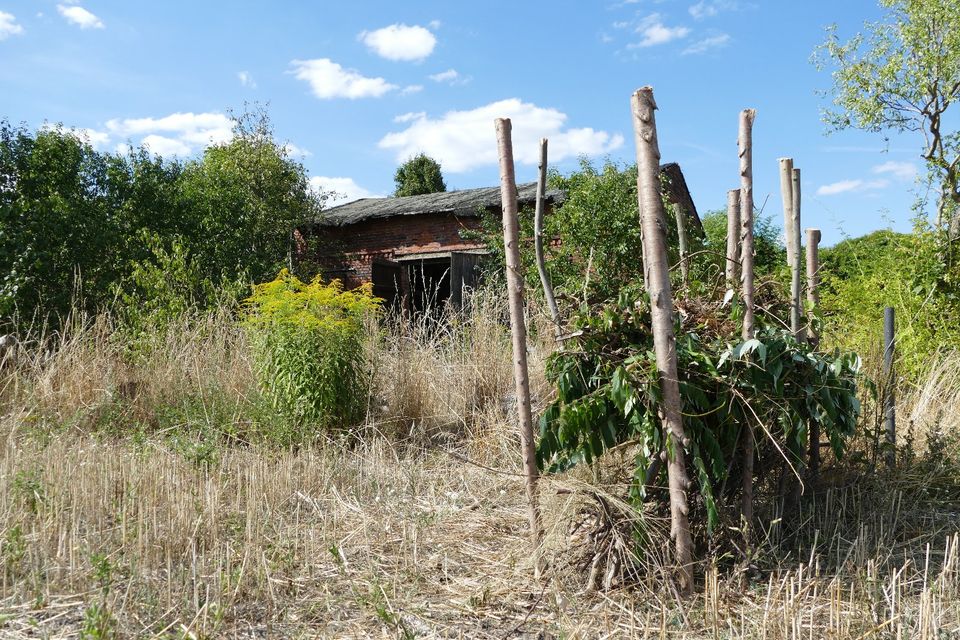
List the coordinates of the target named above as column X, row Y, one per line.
column 598, row 230
column 608, row 395
column 909, row 272
column 308, row 347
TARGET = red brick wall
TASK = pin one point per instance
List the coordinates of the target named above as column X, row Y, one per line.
column 390, row 238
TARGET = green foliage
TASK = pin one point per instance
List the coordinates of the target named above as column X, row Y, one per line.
column 608, row 394
column 417, row 176
column 598, row 227
column 163, row 287
column 861, row 276
column 308, row 347
column 902, row 75
column 78, row 227
column 770, row 254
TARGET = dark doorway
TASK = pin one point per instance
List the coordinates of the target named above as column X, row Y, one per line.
column 429, row 284
column 386, row 279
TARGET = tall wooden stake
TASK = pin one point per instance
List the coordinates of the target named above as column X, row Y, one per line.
column 681, row 218
column 745, row 147
column 813, row 299
column 889, row 406
column 538, row 239
column 733, row 238
column 657, row 272
column 796, row 270
column 786, row 194
column 511, row 233
column 789, row 193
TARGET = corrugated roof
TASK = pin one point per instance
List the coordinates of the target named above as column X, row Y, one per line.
column 465, row 202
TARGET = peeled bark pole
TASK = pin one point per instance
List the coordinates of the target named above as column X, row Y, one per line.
column 790, row 193
column 786, row 194
column 681, row 218
column 518, row 330
column 813, row 299
column 795, row 268
column 657, row 272
column 813, row 281
column 538, row 238
column 745, row 147
column 733, row 238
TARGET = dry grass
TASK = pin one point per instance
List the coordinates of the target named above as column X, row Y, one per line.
column 103, row 532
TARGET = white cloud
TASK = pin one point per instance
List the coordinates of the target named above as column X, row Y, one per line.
column 710, row 8
column 713, row 42
column 9, row 26
column 246, row 79
column 96, row 139
column 176, row 134
column 450, row 76
column 899, row 170
column 851, row 186
column 164, row 146
column 400, row 42
column 329, row 80
column 411, row 88
column 654, row 32
column 407, row 117
column 80, row 17
column 463, row 140
column 434, row 24
column 295, row 151
column 343, row 189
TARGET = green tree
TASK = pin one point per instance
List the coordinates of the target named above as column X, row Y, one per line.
column 419, row 175
column 58, row 237
column 80, row 229
column 902, row 75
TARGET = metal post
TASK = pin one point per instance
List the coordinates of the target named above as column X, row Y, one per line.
column 889, row 410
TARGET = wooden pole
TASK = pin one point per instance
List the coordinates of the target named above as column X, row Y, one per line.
column 786, row 194
column 518, row 330
column 656, row 266
column 538, row 239
column 889, row 408
column 681, row 217
column 796, row 270
column 813, row 299
column 745, row 149
column 733, row 238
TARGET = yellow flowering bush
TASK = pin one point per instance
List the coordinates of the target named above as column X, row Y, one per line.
column 308, row 347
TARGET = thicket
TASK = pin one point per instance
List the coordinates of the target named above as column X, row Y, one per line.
column 81, row 228
column 911, row 273
column 594, row 238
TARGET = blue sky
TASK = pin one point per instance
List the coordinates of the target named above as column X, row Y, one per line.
column 355, row 87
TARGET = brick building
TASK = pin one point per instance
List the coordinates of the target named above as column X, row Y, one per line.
column 412, row 248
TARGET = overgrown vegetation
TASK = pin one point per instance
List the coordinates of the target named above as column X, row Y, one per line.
column 308, row 344
column 80, row 227
column 910, row 272
column 608, row 397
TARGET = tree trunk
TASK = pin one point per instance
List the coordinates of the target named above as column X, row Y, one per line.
column 733, row 238
column 511, row 232
column 657, row 272
column 681, row 218
column 813, row 298
column 538, row 239
column 796, row 269
column 745, row 145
